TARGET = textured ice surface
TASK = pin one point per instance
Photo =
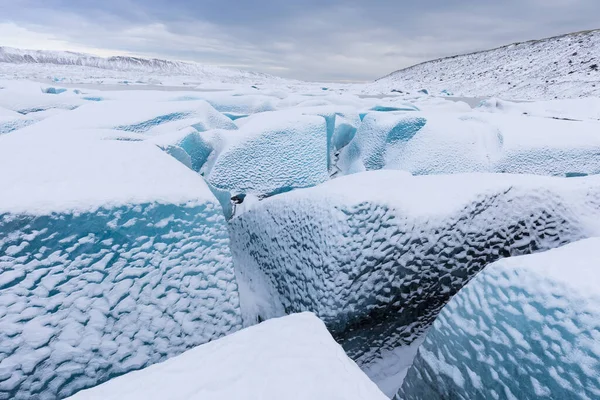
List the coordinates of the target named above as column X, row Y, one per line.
column 436, row 143
column 287, row 358
column 269, row 154
column 113, row 256
column 376, row 255
column 88, row 296
column 524, row 328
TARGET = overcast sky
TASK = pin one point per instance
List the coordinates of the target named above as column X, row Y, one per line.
column 305, row 39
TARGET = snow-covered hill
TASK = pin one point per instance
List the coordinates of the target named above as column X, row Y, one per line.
column 559, row 67
column 36, row 64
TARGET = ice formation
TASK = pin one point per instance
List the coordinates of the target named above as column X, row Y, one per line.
column 114, row 256
column 269, row 155
column 424, row 143
column 377, row 254
column 291, row 357
column 525, row 328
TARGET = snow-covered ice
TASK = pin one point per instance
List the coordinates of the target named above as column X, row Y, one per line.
column 436, row 143
column 525, row 328
column 268, row 155
column 114, row 256
column 293, row 357
column 377, row 254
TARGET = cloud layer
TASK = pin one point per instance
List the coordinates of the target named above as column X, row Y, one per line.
column 306, row 39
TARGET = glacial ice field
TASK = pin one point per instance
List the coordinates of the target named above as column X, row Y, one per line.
column 253, row 237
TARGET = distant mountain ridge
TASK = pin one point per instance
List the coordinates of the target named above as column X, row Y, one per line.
column 119, row 63
column 557, row 67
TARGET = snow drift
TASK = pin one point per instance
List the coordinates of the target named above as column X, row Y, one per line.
column 288, row 358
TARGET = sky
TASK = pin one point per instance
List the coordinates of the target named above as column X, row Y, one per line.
column 322, row 40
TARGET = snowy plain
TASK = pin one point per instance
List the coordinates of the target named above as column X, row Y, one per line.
column 123, row 242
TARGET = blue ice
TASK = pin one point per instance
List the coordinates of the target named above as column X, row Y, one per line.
column 89, row 296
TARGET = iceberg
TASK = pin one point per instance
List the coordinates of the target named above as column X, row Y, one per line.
column 114, row 256
column 376, row 255
column 525, row 327
column 289, row 357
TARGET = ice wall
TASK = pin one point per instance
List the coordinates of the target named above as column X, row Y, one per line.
column 377, row 255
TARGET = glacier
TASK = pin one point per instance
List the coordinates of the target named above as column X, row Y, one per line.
column 104, row 270
column 377, row 254
column 152, row 214
column 525, row 327
column 283, row 358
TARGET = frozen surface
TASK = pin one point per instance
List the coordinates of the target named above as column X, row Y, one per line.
column 288, row 358
column 526, row 328
column 270, row 154
column 114, row 256
column 377, row 254
column 436, row 143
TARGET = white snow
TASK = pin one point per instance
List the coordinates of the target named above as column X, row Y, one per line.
column 69, row 66
column 47, row 176
column 559, row 67
column 287, row 358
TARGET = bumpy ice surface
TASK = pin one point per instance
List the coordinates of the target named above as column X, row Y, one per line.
column 270, row 154
column 287, row 358
column 104, row 270
column 524, row 328
column 377, row 254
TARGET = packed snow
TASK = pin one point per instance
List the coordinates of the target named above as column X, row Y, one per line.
column 293, row 357
column 525, row 328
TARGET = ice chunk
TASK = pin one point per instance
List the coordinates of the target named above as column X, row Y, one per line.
column 53, row 90
column 188, row 146
column 143, row 117
column 27, row 97
column 376, row 255
column 377, row 133
column 290, row 357
column 525, row 325
column 114, row 256
column 10, row 124
column 437, row 143
column 269, row 155
column 236, row 104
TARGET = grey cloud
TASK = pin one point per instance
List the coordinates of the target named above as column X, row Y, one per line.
column 305, row 39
